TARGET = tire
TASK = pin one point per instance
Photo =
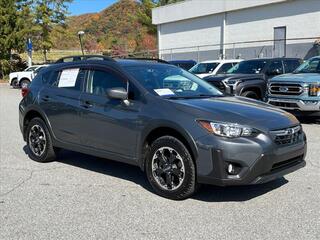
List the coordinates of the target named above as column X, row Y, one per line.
column 14, row 83
column 47, row 152
column 183, row 163
column 24, row 83
column 250, row 94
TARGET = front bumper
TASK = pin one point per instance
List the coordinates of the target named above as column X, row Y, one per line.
column 295, row 104
column 260, row 160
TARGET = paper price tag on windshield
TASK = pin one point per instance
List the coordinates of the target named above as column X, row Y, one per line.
column 164, row 92
column 68, row 77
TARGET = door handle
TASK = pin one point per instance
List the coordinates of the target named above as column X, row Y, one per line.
column 86, row 104
column 46, row 98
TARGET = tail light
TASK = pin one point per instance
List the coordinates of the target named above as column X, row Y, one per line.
column 314, row 89
column 25, row 91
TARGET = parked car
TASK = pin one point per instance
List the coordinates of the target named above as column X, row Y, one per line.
column 185, row 64
column 299, row 91
column 22, row 79
column 249, row 78
column 176, row 127
column 213, row 67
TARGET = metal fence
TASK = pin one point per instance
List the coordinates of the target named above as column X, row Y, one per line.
column 304, row 48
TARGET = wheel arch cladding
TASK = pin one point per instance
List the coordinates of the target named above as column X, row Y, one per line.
column 28, row 117
column 158, row 132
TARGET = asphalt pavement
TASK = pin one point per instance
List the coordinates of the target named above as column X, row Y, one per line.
column 83, row 197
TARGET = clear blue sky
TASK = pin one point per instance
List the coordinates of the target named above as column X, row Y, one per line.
column 88, row 6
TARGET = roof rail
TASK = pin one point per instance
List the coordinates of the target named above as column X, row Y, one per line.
column 147, row 59
column 76, row 58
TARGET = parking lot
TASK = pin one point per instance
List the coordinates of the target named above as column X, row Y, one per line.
column 83, row 197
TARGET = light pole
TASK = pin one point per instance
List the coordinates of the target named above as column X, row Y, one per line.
column 80, row 34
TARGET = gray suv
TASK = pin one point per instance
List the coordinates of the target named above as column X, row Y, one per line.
column 176, row 127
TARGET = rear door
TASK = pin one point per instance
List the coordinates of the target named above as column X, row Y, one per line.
column 60, row 101
column 109, row 124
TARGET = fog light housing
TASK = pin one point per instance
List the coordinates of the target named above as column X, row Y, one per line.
column 233, row 168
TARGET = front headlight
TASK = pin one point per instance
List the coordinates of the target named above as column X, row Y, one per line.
column 230, row 130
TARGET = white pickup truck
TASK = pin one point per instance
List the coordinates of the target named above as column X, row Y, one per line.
column 21, row 79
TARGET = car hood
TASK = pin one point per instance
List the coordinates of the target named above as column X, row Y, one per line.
column 221, row 77
column 203, row 75
column 239, row 110
column 298, row 77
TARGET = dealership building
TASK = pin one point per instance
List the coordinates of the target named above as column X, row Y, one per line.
column 212, row 29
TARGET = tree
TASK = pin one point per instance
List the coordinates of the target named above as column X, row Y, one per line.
column 14, row 18
column 145, row 13
column 47, row 14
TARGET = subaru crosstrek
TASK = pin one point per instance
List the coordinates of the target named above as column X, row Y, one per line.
column 176, row 127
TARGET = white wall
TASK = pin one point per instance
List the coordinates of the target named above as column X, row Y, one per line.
column 301, row 17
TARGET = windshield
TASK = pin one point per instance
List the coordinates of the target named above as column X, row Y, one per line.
column 203, row 68
column 248, row 67
column 310, row 66
column 172, row 82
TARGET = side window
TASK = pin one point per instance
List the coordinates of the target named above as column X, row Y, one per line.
column 71, row 79
column 99, row 81
column 224, row 68
column 290, row 65
column 275, row 68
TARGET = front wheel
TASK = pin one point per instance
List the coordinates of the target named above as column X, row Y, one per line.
column 170, row 169
column 39, row 141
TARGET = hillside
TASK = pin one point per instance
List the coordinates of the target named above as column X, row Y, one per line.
column 115, row 28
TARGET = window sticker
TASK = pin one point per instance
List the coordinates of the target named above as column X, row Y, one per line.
column 164, row 92
column 68, row 77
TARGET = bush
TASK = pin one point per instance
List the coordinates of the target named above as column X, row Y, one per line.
column 14, row 65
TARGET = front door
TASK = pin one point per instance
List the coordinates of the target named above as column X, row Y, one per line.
column 108, row 124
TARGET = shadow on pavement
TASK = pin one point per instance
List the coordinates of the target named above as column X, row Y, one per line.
column 309, row 120
column 206, row 193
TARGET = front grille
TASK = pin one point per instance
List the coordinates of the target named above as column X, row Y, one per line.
column 284, row 104
column 219, row 85
column 288, row 89
column 286, row 163
column 288, row 136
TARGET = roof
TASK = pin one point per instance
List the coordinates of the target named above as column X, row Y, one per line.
column 222, row 61
column 198, row 8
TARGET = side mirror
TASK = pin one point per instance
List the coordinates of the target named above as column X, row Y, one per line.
column 117, row 93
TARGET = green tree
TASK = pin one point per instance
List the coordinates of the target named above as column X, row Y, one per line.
column 145, row 13
column 14, row 18
column 47, row 15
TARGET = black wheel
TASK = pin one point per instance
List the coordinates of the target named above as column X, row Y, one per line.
column 250, row 94
column 24, row 83
column 39, row 141
column 170, row 169
column 14, row 82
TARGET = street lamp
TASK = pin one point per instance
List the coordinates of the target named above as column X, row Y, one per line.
column 80, row 34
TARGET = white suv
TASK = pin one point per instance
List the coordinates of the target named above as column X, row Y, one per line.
column 213, row 67
column 21, row 79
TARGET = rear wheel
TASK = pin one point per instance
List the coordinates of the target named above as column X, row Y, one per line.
column 14, row 82
column 39, row 141
column 250, row 94
column 170, row 169
column 24, row 83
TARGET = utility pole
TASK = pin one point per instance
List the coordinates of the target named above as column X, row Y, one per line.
column 80, row 34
